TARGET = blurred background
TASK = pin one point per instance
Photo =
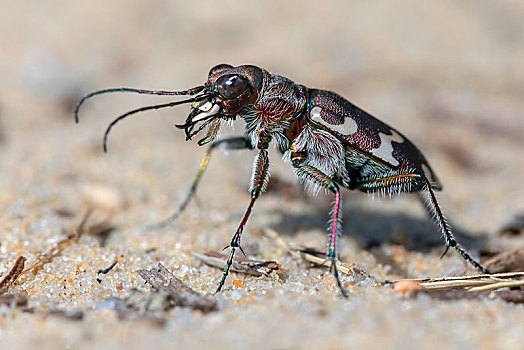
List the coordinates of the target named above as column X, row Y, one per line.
column 447, row 74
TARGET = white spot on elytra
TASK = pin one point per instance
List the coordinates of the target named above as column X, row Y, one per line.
column 348, row 128
column 385, row 150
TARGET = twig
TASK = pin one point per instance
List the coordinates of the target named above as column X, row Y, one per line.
column 13, row 274
column 308, row 254
column 312, row 256
column 162, row 279
column 507, row 261
column 60, row 245
column 475, row 282
column 242, row 265
column 106, row 270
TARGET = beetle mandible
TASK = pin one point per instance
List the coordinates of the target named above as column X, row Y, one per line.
column 330, row 143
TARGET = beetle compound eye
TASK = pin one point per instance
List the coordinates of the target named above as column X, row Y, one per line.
column 231, row 86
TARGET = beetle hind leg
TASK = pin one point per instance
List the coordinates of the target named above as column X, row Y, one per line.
column 434, row 208
column 415, row 182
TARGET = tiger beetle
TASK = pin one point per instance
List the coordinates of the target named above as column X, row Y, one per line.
column 329, row 142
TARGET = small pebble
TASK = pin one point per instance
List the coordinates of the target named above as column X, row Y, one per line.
column 103, row 197
column 407, row 286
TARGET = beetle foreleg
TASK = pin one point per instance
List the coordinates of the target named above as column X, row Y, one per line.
column 232, row 143
column 258, row 183
column 433, row 207
column 318, row 177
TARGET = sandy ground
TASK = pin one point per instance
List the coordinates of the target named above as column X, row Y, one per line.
column 450, row 75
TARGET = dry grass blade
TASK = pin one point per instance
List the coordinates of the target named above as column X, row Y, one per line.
column 13, row 274
column 51, row 253
column 162, row 279
column 308, row 254
column 72, row 237
column 474, row 283
column 242, row 265
column 467, row 287
column 319, row 258
column 60, row 245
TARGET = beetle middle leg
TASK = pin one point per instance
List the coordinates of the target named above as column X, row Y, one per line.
column 321, row 179
column 231, row 143
column 259, row 180
column 432, row 207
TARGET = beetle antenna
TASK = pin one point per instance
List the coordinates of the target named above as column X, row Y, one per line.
column 191, row 91
column 147, row 108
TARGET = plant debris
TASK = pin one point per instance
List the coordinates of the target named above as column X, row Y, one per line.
column 507, row 261
column 106, row 270
column 311, row 255
column 469, row 287
column 162, row 280
column 13, row 274
column 319, row 258
column 74, row 236
column 475, row 282
column 57, row 248
column 242, row 265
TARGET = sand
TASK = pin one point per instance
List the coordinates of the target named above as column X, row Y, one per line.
column 449, row 75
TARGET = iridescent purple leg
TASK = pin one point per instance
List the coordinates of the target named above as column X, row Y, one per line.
column 259, row 180
column 323, row 180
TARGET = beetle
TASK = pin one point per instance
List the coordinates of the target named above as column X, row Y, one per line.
column 329, row 142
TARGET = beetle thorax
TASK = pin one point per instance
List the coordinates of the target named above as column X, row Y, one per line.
column 281, row 102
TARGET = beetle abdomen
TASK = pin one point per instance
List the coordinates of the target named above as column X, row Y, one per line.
column 382, row 149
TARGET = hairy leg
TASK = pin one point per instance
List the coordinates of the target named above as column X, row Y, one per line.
column 259, row 180
column 432, row 206
column 312, row 174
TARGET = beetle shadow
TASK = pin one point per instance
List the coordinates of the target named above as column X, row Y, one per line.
column 371, row 229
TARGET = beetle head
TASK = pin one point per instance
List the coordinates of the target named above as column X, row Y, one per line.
column 227, row 92
column 234, row 88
